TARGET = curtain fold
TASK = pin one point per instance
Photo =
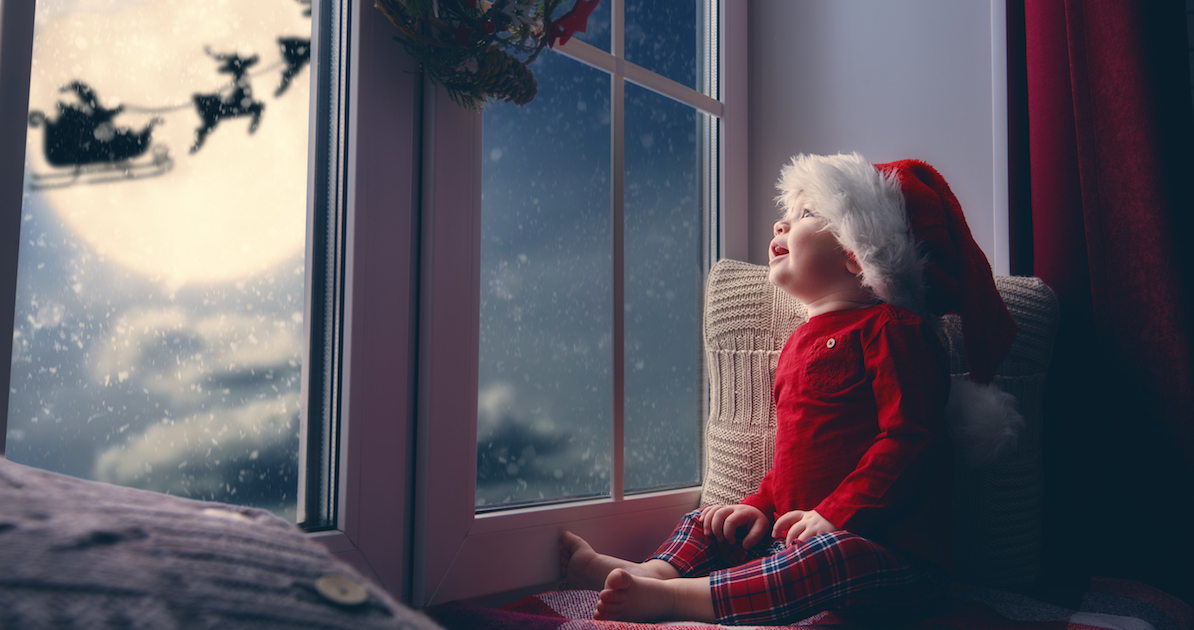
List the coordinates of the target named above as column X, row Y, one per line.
column 1111, row 135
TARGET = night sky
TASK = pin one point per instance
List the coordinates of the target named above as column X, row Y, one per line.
column 546, row 390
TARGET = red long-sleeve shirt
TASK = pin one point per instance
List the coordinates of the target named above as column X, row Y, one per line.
column 860, row 404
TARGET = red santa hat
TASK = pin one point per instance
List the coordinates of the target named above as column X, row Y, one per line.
column 906, row 230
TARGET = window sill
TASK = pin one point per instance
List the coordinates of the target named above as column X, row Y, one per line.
column 515, row 549
column 552, row 514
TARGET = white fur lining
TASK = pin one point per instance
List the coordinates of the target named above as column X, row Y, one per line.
column 982, row 421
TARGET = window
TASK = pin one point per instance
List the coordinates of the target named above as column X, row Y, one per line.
column 159, row 303
column 547, row 291
column 496, row 266
column 362, row 189
column 159, row 334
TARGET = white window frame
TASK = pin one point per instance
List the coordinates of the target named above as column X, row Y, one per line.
column 459, row 554
column 376, row 400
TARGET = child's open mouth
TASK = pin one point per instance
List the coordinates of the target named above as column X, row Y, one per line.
column 777, row 251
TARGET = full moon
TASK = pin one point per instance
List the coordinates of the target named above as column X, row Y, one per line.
column 235, row 207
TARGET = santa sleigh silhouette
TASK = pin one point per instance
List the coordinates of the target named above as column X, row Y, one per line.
column 85, row 147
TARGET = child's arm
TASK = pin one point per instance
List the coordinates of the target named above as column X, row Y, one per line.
column 723, row 522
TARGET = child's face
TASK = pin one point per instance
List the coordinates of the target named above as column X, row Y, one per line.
column 806, row 259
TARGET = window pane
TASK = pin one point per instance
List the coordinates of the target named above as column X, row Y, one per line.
column 545, row 395
column 597, row 30
column 662, row 37
column 160, row 285
column 664, row 273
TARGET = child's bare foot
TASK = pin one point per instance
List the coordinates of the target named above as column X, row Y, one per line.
column 630, row 597
column 584, row 568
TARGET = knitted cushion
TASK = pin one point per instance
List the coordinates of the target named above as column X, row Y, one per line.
column 996, row 509
column 84, row 554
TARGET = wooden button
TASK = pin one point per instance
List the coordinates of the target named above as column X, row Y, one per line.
column 341, row 589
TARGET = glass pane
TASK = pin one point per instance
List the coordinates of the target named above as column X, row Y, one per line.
column 664, row 276
column 544, row 396
column 160, row 285
column 598, row 28
column 662, row 37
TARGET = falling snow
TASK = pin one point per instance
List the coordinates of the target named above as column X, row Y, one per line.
column 545, row 399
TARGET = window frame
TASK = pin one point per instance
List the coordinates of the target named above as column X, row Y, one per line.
column 457, row 551
column 16, row 58
column 380, row 300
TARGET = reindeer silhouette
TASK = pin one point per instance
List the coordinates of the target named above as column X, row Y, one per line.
column 297, row 53
column 213, row 108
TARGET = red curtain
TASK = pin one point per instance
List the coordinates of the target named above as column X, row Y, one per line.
column 1108, row 225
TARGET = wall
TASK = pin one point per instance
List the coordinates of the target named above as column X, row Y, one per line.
column 918, row 79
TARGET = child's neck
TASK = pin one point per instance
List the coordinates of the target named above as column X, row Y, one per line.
column 822, row 308
column 842, row 300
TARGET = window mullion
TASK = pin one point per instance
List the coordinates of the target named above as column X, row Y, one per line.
column 617, row 180
column 617, row 37
column 709, row 82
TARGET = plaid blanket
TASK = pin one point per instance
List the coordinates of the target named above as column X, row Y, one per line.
column 1108, row 604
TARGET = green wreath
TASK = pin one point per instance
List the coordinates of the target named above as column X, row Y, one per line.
column 479, row 50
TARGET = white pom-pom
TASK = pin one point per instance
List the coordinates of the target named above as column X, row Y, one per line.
column 983, row 422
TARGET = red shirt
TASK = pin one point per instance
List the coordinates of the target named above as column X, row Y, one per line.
column 860, row 406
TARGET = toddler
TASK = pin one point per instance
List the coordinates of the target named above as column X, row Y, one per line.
column 854, row 513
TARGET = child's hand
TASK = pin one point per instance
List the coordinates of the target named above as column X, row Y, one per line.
column 801, row 525
column 724, row 521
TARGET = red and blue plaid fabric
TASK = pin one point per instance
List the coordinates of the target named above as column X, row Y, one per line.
column 773, row 583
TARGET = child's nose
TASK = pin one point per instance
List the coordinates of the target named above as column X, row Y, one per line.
column 781, row 227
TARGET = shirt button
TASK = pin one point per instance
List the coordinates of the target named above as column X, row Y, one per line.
column 831, row 343
column 341, row 590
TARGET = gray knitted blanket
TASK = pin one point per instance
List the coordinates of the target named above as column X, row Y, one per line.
column 83, row 554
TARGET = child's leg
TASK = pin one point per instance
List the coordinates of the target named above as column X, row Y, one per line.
column 631, row 597
column 584, row 568
column 694, row 554
column 686, row 553
column 835, row 571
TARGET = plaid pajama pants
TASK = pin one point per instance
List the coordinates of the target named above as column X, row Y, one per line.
column 775, row 584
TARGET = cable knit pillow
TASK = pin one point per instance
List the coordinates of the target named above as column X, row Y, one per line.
column 84, row 554
column 996, row 509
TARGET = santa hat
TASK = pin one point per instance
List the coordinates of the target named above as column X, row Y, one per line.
column 907, row 232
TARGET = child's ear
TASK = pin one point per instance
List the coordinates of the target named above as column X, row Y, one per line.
column 852, row 263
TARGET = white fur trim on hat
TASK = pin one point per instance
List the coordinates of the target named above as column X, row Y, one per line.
column 864, row 209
